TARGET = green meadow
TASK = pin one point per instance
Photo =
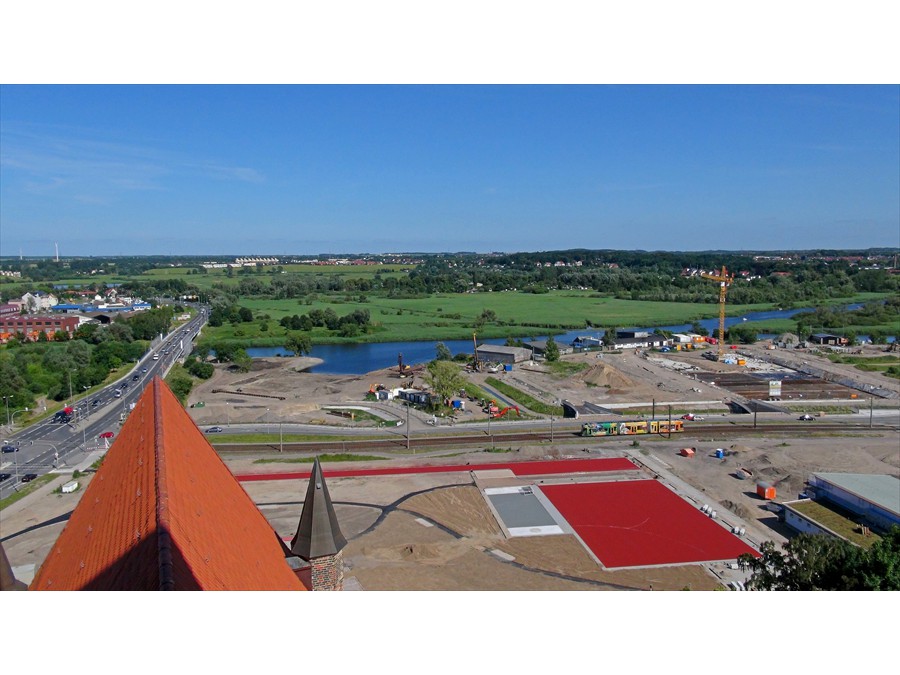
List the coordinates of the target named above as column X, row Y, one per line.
column 454, row 316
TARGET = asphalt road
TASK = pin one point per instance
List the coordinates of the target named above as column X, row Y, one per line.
column 48, row 444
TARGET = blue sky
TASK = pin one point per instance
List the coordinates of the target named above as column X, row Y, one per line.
column 124, row 170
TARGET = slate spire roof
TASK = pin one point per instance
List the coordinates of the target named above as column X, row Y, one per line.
column 163, row 512
column 318, row 533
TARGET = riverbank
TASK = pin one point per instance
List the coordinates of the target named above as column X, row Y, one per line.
column 492, row 316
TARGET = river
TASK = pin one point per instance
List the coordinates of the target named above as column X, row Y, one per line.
column 357, row 359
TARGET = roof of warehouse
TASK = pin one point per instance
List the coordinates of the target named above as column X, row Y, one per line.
column 881, row 490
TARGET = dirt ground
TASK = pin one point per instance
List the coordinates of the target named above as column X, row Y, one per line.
column 437, row 532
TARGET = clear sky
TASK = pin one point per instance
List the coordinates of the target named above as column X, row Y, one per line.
column 305, row 169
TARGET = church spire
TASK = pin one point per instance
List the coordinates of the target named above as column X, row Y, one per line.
column 318, row 533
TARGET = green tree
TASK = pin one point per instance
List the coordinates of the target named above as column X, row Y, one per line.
column 242, row 360
column 445, row 378
column 818, row 562
column 609, row 336
column 551, row 353
column 298, row 343
column 443, row 352
column 180, row 384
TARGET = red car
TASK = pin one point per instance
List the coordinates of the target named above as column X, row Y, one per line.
column 107, row 434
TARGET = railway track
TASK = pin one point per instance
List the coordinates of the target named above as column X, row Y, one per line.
column 565, row 436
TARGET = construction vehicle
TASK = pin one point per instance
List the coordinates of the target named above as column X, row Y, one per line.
column 491, row 408
column 501, row 413
column 404, row 370
column 724, row 281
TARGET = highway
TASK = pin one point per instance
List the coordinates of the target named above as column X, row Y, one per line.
column 49, row 444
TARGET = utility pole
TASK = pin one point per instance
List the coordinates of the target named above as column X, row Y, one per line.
column 871, row 400
column 280, row 437
column 407, row 425
column 670, row 421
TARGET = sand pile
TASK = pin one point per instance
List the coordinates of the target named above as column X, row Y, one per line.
column 601, row 375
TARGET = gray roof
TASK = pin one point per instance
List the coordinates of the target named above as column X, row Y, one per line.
column 318, row 533
column 881, row 490
column 503, row 349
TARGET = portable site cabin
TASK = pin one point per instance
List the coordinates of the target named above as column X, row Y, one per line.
column 765, row 490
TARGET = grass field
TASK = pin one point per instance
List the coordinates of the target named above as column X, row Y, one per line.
column 454, row 316
column 524, row 399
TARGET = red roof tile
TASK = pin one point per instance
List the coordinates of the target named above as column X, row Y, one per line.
column 164, row 512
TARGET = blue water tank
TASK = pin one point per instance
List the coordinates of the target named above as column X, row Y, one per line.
column 508, row 367
column 720, row 454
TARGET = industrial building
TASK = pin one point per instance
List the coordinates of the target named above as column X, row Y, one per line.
column 539, row 347
column 502, row 354
column 846, row 504
column 32, row 325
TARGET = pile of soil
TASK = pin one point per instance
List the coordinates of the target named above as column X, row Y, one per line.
column 601, row 375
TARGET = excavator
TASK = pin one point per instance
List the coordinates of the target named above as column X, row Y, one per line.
column 501, row 413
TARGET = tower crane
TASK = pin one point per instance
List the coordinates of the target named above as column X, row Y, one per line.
column 724, row 282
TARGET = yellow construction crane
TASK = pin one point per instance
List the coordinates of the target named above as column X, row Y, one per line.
column 724, row 282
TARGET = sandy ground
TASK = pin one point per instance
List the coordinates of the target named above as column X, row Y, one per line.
column 436, row 532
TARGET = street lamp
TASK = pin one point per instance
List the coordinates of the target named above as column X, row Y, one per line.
column 6, row 400
column 490, row 433
column 13, row 418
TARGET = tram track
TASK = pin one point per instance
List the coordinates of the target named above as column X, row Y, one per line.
column 560, row 436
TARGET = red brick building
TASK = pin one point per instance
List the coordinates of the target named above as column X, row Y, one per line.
column 31, row 325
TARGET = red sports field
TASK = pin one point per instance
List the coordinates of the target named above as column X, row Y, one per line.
column 642, row 523
column 542, row 468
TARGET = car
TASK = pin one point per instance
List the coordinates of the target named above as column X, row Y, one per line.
column 117, row 394
column 124, row 385
column 28, row 477
column 5, row 476
column 106, row 434
column 135, row 378
column 214, row 430
column 143, row 370
column 10, row 448
column 806, row 418
column 95, row 402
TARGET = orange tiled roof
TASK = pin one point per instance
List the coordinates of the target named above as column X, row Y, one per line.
column 163, row 512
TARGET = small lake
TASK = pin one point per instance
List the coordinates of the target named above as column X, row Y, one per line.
column 356, row 359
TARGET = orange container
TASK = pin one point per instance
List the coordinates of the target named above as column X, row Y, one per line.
column 765, row 491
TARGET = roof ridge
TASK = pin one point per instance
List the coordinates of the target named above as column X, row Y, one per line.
column 163, row 531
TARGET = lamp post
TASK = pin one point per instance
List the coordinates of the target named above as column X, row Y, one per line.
column 227, row 419
column 268, row 429
column 280, row 437
column 13, row 418
column 490, row 433
column 6, row 400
